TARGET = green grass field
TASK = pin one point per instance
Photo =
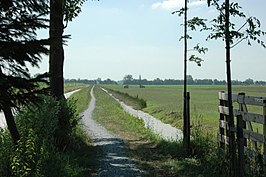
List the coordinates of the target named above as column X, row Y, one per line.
column 166, row 102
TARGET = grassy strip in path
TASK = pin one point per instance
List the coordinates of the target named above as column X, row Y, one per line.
column 110, row 114
column 83, row 152
column 82, row 98
column 157, row 157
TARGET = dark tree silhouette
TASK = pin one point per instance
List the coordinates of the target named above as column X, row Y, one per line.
column 18, row 45
column 56, row 61
column 61, row 12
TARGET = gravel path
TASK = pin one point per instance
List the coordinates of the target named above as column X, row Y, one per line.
column 2, row 116
column 166, row 131
column 68, row 94
column 114, row 160
column 2, row 120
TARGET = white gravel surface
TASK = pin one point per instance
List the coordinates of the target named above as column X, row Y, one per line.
column 114, row 160
column 166, row 131
column 68, row 94
column 2, row 120
column 2, row 116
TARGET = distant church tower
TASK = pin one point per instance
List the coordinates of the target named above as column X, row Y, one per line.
column 140, row 81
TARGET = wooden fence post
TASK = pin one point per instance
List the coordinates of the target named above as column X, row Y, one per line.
column 222, row 118
column 264, row 135
column 188, row 124
column 243, row 107
column 243, row 131
column 240, row 143
column 240, row 137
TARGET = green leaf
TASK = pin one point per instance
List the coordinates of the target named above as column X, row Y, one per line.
column 195, row 59
column 179, row 12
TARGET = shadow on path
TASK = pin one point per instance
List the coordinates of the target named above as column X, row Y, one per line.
column 114, row 160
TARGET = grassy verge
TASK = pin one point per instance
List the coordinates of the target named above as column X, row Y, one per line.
column 166, row 103
column 154, row 155
column 82, row 98
column 134, row 101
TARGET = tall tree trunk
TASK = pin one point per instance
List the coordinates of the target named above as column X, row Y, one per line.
column 56, row 68
column 5, row 105
column 56, row 61
column 11, row 125
column 232, row 147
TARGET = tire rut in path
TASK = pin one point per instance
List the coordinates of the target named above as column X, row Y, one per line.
column 114, row 160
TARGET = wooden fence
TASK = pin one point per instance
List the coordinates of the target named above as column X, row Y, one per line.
column 248, row 143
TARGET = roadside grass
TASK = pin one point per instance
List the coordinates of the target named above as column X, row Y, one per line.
column 82, row 98
column 166, row 102
column 136, row 102
column 154, row 155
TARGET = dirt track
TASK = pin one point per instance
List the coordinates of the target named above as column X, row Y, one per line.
column 114, row 160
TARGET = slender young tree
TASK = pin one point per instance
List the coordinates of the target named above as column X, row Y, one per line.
column 223, row 28
column 185, row 110
column 19, row 21
column 191, row 24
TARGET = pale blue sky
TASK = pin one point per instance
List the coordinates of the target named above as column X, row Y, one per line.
column 112, row 38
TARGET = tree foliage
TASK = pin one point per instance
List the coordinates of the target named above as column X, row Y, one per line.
column 127, row 79
column 72, row 9
column 249, row 31
column 193, row 24
column 19, row 21
column 223, row 28
column 18, row 44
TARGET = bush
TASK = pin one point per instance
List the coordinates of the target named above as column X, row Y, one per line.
column 6, row 149
column 28, row 156
column 36, row 154
column 206, row 151
column 68, row 120
column 42, row 119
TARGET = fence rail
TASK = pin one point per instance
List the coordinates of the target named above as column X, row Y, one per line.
column 243, row 129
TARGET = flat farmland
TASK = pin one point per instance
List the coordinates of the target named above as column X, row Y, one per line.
column 166, row 102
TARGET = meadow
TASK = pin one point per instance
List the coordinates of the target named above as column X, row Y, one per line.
column 166, row 102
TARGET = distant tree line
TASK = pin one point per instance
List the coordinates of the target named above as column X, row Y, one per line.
column 129, row 80
column 96, row 81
